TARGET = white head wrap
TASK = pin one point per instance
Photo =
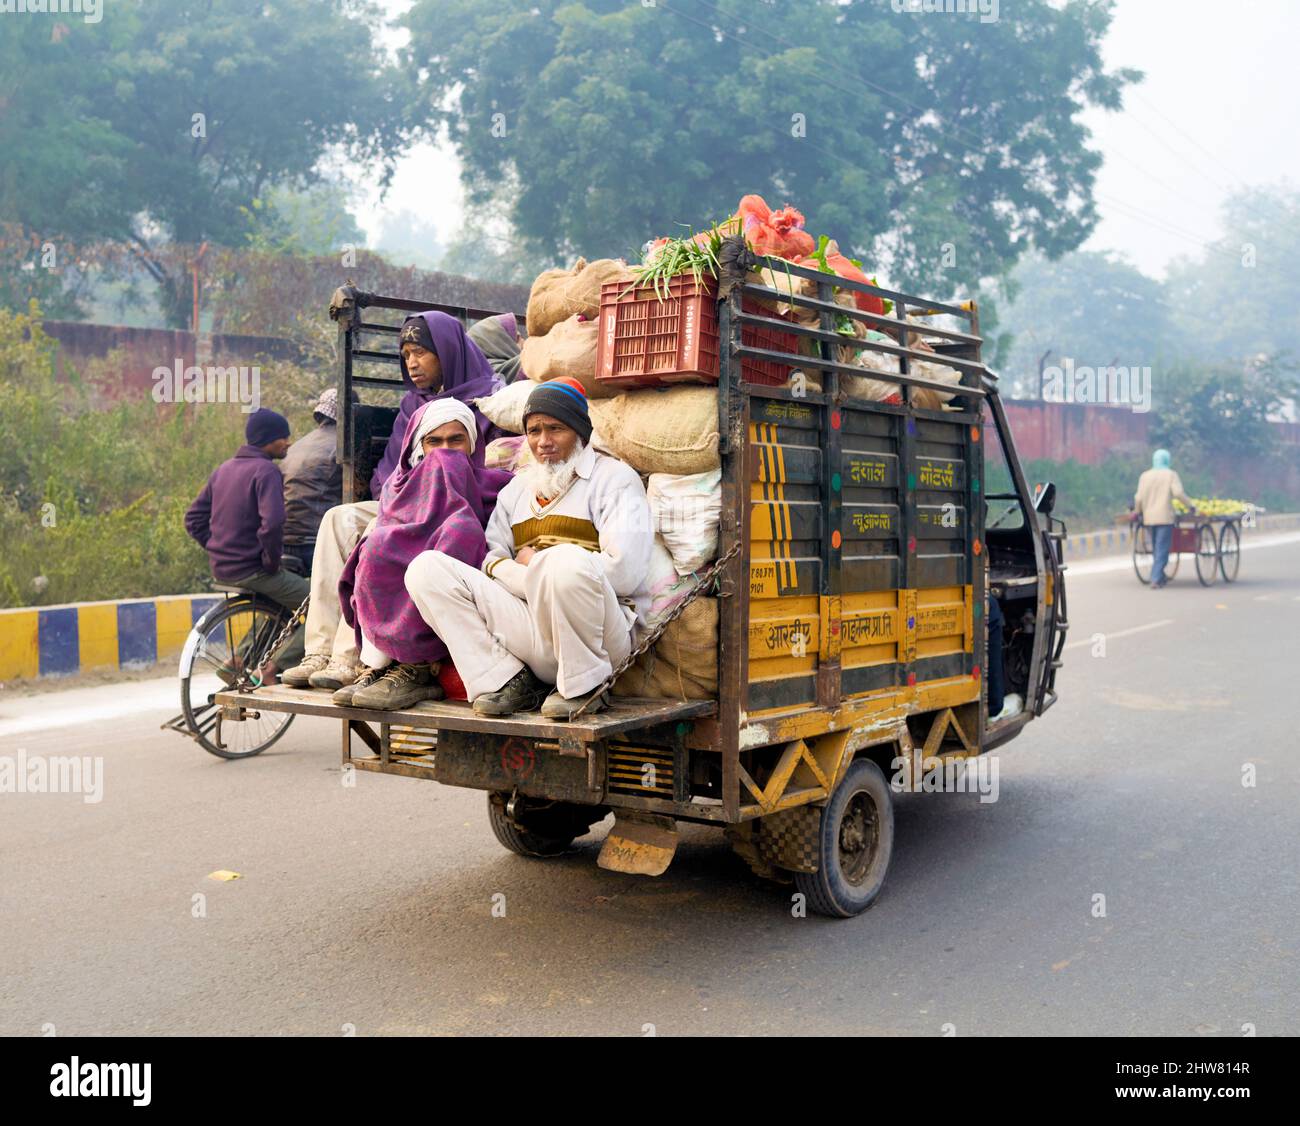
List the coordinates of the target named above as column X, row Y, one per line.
column 437, row 413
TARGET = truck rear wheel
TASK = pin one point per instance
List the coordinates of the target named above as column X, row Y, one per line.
column 542, row 830
column 855, row 844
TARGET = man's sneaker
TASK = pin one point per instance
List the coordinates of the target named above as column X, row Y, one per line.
column 364, row 679
column 334, row 676
column 560, row 707
column 521, row 693
column 300, row 675
column 400, row 686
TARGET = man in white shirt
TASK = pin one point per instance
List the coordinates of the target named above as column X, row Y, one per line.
column 563, row 583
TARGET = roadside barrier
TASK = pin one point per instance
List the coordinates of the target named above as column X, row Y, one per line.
column 41, row 641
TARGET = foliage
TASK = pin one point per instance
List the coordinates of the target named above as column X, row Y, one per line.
column 310, row 222
column 621, row 121
column 1212, row 415
column 92, row 497
column 1093, row 308
column 119, row 154
column 1237, row 300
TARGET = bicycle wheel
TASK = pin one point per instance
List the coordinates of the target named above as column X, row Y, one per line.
column 227, row 647
column 1142, row 557
column 1207, row 555
column 1229, row 551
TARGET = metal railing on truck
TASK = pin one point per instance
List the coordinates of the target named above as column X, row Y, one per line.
column 368, row 358
column 858, row 598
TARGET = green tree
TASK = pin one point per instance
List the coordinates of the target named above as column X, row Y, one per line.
column 173, row 116
column 938, row 147
column 1213, row 416
column 1094, row 308
column 1238, row 298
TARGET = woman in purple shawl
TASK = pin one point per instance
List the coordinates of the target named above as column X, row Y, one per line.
column 439, row 361
column 438, row 499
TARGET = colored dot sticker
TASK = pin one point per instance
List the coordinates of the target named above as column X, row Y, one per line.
column 835, row 539
column 911, row 679
column 974, row 433
column 911, row 543
column 911, row 623
column 835, row 420
column 975, row 485
column 911, row 426
column 835, row 482
column 977, row 547
column 911, row 480
column 975, row 673
column 978, row 609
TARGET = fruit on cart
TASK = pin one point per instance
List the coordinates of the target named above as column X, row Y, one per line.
column 1215, row 506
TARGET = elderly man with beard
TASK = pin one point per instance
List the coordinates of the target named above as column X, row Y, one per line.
column 564, row 580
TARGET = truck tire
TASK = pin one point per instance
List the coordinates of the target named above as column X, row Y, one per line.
column 855, row 844
column 544, row 831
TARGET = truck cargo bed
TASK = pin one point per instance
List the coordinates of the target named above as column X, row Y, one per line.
column 622, row 715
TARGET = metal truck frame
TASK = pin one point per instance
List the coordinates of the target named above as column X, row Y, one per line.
column 852, row 635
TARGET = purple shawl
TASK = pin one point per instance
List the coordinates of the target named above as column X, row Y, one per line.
column 442, row 504
column 466, row 375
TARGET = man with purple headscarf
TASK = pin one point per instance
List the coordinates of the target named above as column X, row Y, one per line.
column 436, row 500
column 438, row 362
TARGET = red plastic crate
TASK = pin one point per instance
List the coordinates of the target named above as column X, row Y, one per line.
column 645, row 342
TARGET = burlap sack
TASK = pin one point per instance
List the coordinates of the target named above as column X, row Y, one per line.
column 559, row 294
column 505, row 408
column 569, row 349
column 683, row 663
column 668, row 430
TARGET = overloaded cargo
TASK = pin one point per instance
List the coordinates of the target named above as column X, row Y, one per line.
column 828, row 606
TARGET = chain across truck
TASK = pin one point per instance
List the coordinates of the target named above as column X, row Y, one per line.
column 855, row 526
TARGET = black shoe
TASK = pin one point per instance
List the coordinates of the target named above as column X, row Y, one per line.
column 523, row 692
column 563, row 708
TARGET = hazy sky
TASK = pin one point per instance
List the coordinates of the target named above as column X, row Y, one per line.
column 1219, row 108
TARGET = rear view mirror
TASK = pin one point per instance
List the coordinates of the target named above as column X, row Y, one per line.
column 1044, row 497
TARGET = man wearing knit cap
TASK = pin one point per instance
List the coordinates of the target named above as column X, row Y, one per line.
column 238, row 519
column 313, row 480
column 563, row 583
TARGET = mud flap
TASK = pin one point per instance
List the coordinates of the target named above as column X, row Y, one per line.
column 640, row 844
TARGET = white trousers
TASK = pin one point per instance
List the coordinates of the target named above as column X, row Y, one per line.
column 571, row 631
column 341, row 528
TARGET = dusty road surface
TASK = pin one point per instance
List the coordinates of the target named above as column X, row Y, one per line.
column 371, row 907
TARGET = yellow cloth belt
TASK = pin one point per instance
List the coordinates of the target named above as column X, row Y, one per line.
column 546, row 531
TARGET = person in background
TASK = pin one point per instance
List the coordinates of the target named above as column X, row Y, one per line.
column 238, row 519
column 438, row 361
column 498, row 339
column 313, row 480
column 1157, row 490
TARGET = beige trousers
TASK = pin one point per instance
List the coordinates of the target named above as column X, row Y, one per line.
column 339, row 532
column 571, row 631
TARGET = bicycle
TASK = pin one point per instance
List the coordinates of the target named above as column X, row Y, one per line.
column 226, row 649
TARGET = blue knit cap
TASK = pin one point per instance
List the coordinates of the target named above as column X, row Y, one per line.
column 264, row 427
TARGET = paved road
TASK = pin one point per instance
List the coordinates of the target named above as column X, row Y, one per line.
column 371, row 906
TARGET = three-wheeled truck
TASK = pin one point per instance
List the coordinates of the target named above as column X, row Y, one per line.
column 858, row 564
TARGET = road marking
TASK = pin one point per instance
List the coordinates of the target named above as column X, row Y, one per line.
column 1122, row 633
